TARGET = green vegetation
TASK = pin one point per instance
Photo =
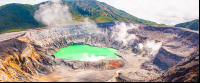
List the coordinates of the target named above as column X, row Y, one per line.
column 193, row 25
column 16, row 17
column 161, row 25
column 100, row 12
column 12, row 30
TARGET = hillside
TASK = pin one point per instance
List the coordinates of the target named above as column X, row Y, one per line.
column 101, row 12
column 193, row 25
column 15, row 17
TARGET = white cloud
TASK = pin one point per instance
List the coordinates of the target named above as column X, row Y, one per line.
column 169, row 12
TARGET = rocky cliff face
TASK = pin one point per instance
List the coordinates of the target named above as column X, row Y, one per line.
column 186, row 71
column 145, row 52
column 21, row 60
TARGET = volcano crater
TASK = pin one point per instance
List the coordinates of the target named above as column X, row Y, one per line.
column 145, row 52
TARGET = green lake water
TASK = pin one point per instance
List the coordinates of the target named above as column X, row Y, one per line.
column 85, row 53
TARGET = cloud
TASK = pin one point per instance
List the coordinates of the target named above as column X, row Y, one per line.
column 168, row 12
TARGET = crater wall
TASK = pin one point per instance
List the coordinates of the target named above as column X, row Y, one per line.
column 142, row 48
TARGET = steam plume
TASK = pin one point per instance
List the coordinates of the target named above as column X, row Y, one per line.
column 53, row 13
column 154, row 47
column 120, row 32
column 91, row 26
column 86, row 57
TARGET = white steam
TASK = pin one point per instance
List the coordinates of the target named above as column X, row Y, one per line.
column 53, row 13
column 120, row 32
column 86, row 57
column 140, row 46
column 154, row 47
column 91, row 27
column 56, row 14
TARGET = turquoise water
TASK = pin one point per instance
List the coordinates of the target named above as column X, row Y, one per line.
column 85, row 53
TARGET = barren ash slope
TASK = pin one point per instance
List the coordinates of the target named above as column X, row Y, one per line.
column 147, row 53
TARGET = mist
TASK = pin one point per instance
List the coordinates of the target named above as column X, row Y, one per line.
column 153, row 46
column 91, row 26
column 120, row 32
column 85, row 57
column 53, row 13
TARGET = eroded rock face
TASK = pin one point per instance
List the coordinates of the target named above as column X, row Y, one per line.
column 186, row 71
column 20, row 61
column 145, row 53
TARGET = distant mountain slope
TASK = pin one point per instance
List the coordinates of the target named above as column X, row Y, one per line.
column 193, row 25
column 14, row 17
column 101, row 12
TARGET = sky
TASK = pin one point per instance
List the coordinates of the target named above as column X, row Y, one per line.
column 169, row 12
